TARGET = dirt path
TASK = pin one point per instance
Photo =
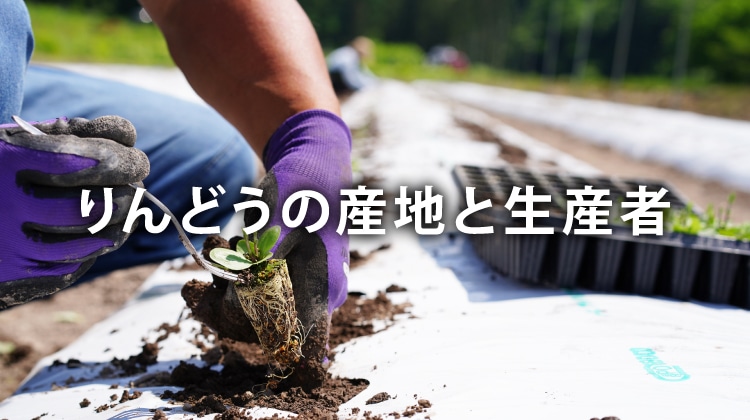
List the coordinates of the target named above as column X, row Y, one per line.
column 42, row 327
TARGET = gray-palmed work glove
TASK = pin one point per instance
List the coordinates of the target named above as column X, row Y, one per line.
column 45, row 244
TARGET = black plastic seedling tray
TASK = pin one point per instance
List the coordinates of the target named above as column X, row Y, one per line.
column 675, row 265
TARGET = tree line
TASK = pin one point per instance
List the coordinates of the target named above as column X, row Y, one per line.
column 707, row 39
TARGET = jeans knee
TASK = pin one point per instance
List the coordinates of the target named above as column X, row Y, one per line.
column 17, row 42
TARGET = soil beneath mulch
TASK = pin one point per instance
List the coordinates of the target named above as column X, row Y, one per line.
column 242, row 381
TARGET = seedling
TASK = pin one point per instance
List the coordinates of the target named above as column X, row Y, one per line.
column 715, row 222
column 248, row 253
column 264, row 291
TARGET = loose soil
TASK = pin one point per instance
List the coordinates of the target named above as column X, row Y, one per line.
column 242, row 382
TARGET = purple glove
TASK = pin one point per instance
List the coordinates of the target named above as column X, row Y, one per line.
column 310, row 151
column 44, row 242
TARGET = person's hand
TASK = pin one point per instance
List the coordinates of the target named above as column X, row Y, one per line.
column 310, row 151
column 45, row 244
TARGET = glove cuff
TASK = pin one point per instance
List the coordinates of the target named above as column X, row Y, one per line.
column 307, row 132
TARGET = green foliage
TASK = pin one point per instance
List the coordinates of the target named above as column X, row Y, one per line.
column 504, row 39
column 247, row 253
column 513, row 34
column 109, row 7
column 71, row 35
column 721, row 44
column 508, row 34
column 408, row 62
column 229, row 259
column 402, row 61
column 715, row 222
column 267, row 241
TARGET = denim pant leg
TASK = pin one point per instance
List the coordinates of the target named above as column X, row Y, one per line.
column 188, row 145
column 16, row 44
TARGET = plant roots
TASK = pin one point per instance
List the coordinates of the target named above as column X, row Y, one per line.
column 267, row 299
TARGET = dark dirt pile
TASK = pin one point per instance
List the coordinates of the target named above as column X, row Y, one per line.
column 353, row 318
column 242, row 380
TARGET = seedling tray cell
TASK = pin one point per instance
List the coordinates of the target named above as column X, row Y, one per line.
column 563, row 262
column 646, row 261
column 675, row 265
column 526, row 263
column 741, row 293
column 683, row 264
column 607, row 257
column 721, row 277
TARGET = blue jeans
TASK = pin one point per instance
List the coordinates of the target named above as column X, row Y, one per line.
column 188, row 145
column 16, row 45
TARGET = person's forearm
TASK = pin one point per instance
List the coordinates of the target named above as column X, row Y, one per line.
column 257, row 62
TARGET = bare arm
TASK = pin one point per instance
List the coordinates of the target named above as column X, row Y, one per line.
column 257, row 62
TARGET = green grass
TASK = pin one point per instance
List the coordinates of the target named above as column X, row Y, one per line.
column 406, row 62
column 64, row 34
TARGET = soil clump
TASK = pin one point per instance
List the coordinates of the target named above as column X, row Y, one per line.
column 242, row 382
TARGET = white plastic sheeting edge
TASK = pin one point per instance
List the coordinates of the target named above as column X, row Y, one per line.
column 704, row 146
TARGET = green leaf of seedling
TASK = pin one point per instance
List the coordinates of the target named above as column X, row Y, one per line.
column 268, row 240
column 267, row 257
column 242, row 247
column 232, row 260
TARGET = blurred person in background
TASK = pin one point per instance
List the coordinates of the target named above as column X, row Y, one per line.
column 446, row 55
column 346, row 66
